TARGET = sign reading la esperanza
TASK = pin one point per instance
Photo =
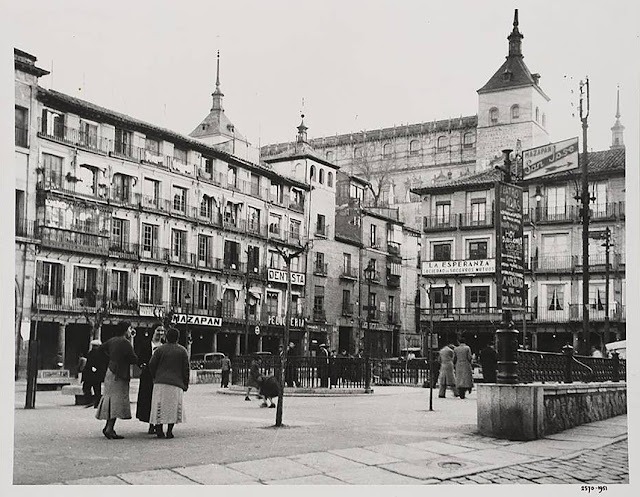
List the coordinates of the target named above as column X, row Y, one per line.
column 478, row 266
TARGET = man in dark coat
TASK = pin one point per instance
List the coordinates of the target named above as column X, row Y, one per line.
column 269, row 388
column 93, row 374
column 489, row 363
column 323, row 365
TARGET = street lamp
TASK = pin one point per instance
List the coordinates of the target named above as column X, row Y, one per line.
column 187, row 302
column 32, row 358
column 369, row 272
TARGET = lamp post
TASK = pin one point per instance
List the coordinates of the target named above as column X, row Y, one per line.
column 187, row 302
column 430, row 347
column 32, row 358
column 584, row 115
column 368, row 275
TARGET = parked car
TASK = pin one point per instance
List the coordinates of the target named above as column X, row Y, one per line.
column 209, row 360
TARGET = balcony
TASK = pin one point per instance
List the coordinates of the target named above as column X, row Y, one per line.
column 127, row 151
column 68, row 302
column 26, row 228
column 550, row 215
column 376, row 243
column 320, row 268
column 207, row 216
column 393, row 248
column 182, row 258
column 234, row 266
column 255, row 228
column 123, row 250
column 472, row 314
column 322, row 231
column 22, row 135
column 347, row 309
column 296, row 206
column 393, row 280
column 348, row 274
column 152, row 252
column 74, row 241
column 439, row 223
column 470, row 220
column 608, row 211
column 207, row 262
column 152, row 203
column 597, row 313
column 129, row 305
column 74, row 137
column 319, row 315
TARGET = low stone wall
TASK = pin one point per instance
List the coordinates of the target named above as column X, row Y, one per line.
column 531, row 411
column 205, row 376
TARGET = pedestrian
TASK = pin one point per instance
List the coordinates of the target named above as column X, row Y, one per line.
column 595, row 352
column 169, row 367
column 254, row 376
column 446, row 377
column 145, row 389
column 291, row 373
column 93, row 374
column 464, row 372
column 82, row 362
column 114, row 404
column 323, row 366
column 226, row 369
column 489, row 363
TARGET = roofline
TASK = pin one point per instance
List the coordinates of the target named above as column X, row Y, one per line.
column 367, row 212
column 83, row 107
column 28, row 68
column 347, row 241
column 295, row 156
column 514, row 87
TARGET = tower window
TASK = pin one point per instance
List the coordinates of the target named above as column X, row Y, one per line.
column 493, row 116
column 414, row 147
column 442, row 143
column 329, row 156
column 387, row 150
column 330, row 179
column 312, row 172
column 515, row 112
column 537, row 114
column 544, row 120
column 321, row 176
column 468, row 140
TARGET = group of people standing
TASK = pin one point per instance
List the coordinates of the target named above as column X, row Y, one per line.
column 164, row 377
column 456, row 368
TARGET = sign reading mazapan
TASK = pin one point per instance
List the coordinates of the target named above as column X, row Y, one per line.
column 201, row 320
column 477, row 266
column 279, row 276
column 549, row 159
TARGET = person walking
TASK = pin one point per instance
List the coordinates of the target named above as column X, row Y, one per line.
column 463, row 370
column 291, row 374
column 489, row 363
column 93, row 374
column 323, row 365
column 114, row 404
column 446, row 378
column 226, row 369
column 145, row 390
column 169, row 367
column 254, row 377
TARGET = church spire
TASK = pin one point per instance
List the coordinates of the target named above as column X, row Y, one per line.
column 302, row 131
column 515, row 38
column 617, row 130
column 217, row 94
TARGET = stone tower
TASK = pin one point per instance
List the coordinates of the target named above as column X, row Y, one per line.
column 617, row 130
column 511, row 106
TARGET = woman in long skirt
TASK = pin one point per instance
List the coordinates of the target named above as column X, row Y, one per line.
column 145, row 390
column 114, row 403
column 169, row 366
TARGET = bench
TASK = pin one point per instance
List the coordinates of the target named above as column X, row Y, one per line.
column 77, row 391
column 52, row 379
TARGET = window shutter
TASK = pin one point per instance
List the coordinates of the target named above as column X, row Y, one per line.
column 125, row 233
column 44, row 121
column 157, row 283
column 60, row 282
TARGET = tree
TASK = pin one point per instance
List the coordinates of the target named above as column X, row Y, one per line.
column 96, row 317
column 377, row 172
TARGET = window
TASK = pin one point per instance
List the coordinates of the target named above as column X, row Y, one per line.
column 149, row 238
column 272, row 304
column 276, row 193
column 253, row 259
column 88, row 134
column 206, row 207
column 52, row 165
column 312, row 173
column 391, row 309
column 123, row 143
column 87, row 180
column 555, row 250
column 597, row 296
column 318, row 299
column 321, row 176
column 179, row 199
column 556, row 202
column 275, row 260
column 346, row 263
column 321, row 227
column 176, row 291
column 372, row 301
column 204, row 248
column 231, row 254
column 255, row 185
column 205, row 298
column 598, row 190
column 22, row 126
column 119, row 234
column 152, row 146
column 178, row 243
column 151, row 193
column 441, row 298
column 555, row 297
column 329, row 156
column 347, row 308
column 122, row 188
column 357, row 153
column 150, row 289
column 387, row 150
column 525, row 244
column 294, row 229
column 253, row 218
column 229, row 303
column 469, row 140
column 478, row 212
column 297, row 198
column 53, row 123
column 373, row 236
column 515, row 112
column 537, row 114
column 119, row 286
column 51, row 278
column 275, row 224
column 208, row 165
column 443, row 211
column 356, row 192
column 442, row 144
column 544, row 120
column 493, row 116
column 232, row 177
column 231, row 211
column 180, row 155
column 414, row 147
column 477, row 298
column 330, row 179
column 525, row 202
column 84, row 282
column 477, row 250
column 321, row 266
column 441, row 251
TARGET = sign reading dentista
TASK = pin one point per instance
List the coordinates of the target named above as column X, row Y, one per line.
column 279, row 276
column 477, row 266
column 201, row 320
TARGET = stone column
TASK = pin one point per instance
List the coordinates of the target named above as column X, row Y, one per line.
column 576, row 341
column 534, row 340
column 260, row 343
column 61, row 344
column 237, row 345
column 214, row 343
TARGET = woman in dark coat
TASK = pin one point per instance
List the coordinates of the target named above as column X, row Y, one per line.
column 253, row 381
column 145, row 390
column 169, row 366
column 114, row 403
column 93, row 374
column 464, row 372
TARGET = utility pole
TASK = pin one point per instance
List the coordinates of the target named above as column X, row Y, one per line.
column 584, row 115
column 607, row 245
column 32, row 358
column 247, row 284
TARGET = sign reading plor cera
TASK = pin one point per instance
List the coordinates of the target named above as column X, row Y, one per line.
column 509, row 254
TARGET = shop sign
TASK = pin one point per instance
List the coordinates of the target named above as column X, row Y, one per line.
column 279, row 276
column 378, row 326
column 550, row 159
column 320, row 328
column 295, row 322
column 509, row 250
column 147, row 310
column 478, row 266
column 199, row 320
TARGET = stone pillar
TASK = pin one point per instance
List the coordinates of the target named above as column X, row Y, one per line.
column 237, row 345
column 260, row 343
column 576, row 341
column 61, row 344
column 534, row 340
column 214, row 343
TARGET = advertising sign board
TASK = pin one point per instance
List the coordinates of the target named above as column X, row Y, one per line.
column 476, row 266
column 279, row 276
column 509, row 239
column 549, row 159
column 201, row 320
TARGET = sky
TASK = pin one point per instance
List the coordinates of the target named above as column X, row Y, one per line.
column 349, row 65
